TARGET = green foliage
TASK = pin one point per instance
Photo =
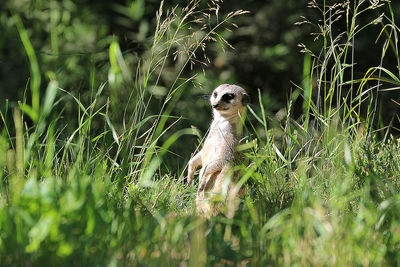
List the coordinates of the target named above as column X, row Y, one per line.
column 101, row 190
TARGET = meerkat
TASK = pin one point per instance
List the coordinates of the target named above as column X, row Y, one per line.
column 229, row 105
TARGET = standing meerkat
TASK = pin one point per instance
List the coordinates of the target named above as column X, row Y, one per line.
column 229, row 105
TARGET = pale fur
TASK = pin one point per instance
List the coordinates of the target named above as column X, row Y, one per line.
column 220, row 145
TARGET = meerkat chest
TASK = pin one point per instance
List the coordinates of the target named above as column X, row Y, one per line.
column 220, row 142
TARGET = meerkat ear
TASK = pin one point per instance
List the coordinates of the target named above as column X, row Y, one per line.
column 245, row 99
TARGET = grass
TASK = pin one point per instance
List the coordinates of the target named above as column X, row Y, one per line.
column 323, row 192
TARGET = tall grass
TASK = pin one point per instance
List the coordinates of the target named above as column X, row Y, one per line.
column 325, row 192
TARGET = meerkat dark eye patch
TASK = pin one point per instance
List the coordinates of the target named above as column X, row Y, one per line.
column 227, row 97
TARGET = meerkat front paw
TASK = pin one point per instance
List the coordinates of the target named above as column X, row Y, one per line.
column 208, row 180
column 189, row 177
column 192, row 166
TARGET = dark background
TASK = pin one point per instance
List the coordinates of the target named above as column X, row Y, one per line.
column 71, row 38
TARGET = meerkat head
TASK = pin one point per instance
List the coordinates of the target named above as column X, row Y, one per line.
column 229, row 100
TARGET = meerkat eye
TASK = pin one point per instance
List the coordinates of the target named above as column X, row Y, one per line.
column 228, row 97
column 215, row 94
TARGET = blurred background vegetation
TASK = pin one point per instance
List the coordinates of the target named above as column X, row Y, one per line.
column 71, row 39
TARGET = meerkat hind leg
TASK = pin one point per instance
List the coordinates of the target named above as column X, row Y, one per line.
column 203, row 206
column 218, row 202
column 203, row 202
column 208, row 200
